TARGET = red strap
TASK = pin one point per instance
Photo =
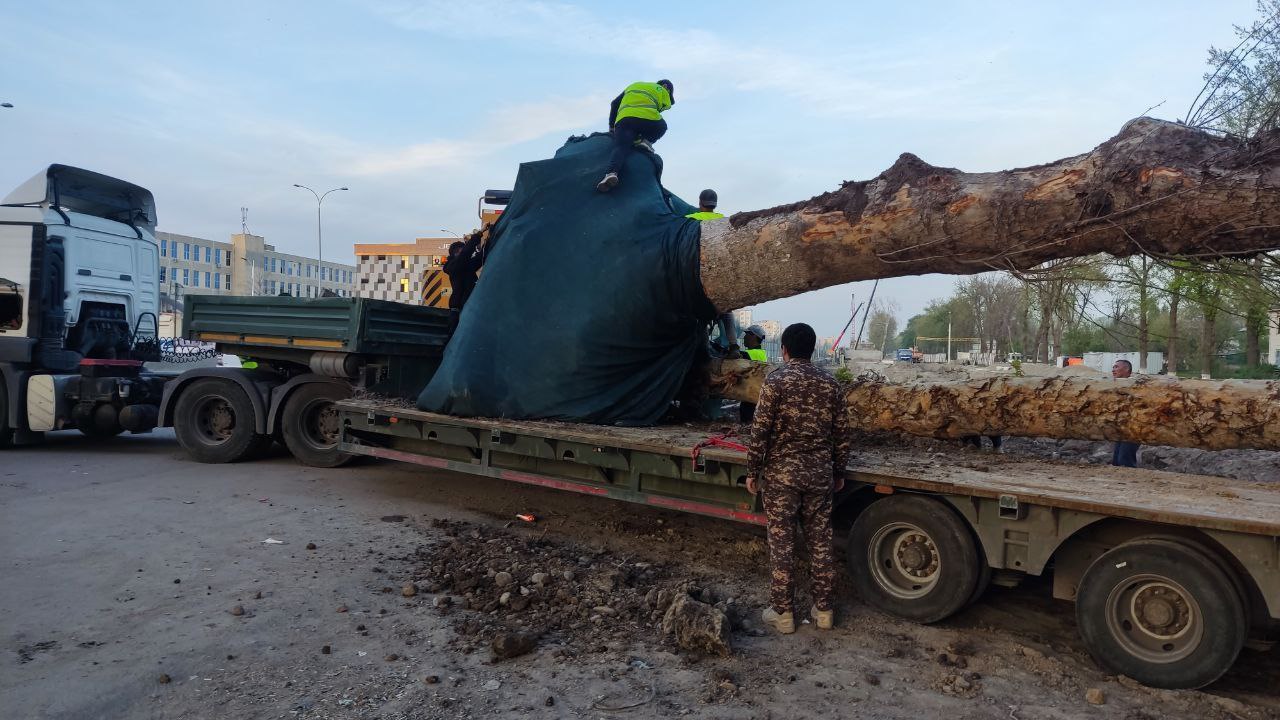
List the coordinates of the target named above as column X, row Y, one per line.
column 718, row 441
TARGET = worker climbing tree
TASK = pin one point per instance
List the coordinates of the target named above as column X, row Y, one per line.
column 635, row 119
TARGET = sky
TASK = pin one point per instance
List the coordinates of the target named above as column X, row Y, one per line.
column 418, row 107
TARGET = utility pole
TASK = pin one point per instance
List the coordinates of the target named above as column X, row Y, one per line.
column 867, row 314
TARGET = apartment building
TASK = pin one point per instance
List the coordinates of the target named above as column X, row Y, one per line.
column 246, row 265
column 404, row 272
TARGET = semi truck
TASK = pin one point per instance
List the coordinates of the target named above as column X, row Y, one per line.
column 79, row 293
column 1171, row 574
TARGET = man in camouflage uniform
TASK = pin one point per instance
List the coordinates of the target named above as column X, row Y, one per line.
column 798, row 452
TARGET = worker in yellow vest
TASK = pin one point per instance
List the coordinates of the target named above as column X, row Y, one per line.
column 706, row 206
column 635, row 119
column 752, row 337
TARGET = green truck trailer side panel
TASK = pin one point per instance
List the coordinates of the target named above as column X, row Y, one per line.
column 352, row 325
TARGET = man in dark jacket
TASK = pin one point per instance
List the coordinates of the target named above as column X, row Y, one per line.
column 464, row 261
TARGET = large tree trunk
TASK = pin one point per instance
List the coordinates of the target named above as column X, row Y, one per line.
column 1255, row 325
column 1156, row 187
column 1210, row 415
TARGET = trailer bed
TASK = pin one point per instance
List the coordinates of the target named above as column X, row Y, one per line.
column 1192, row 500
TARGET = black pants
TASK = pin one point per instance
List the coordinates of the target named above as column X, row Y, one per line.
column 1125, row 454
column 454, row 316
column 625, row 133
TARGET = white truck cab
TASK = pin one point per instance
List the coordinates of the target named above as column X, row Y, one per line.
column 79, row 294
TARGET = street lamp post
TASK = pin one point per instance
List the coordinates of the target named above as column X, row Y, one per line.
column 319, row 232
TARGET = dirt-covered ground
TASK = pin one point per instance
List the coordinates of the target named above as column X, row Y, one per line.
column 139, row 584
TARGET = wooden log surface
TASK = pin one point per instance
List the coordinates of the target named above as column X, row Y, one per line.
column 1204, row 414
column 1157, row 187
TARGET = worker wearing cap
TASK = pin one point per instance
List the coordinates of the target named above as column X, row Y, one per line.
column 635, row 119
column 752, row 338
column 706, row 206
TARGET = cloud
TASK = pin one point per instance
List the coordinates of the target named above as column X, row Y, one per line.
column 830, row 81
column 505, row 127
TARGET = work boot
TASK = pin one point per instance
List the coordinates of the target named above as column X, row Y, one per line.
column 825, row 619
column 644, row 145
column 784, row 623
column 608, row 183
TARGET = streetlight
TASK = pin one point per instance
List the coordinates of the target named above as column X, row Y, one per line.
column 319, row 231
column 450, row 232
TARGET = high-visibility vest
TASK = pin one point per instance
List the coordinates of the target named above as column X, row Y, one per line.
column 713, row 215
column 758, row 354
column 643, row 100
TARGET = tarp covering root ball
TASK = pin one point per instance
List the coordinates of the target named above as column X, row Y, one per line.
column 590, row 306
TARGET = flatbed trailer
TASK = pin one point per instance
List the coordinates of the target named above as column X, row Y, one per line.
column 1170, row 573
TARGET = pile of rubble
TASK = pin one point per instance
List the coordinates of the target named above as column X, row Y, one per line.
column 513, row 594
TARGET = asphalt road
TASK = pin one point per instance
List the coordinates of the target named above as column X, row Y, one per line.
column 123, row 560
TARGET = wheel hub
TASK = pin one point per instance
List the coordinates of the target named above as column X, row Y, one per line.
column 1154, row 618
column 916, row 555
column 1161, row 610
column 217, row 420
column 323, row 422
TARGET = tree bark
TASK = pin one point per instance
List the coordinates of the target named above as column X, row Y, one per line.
column 1156, row 187
column 1255, row 324
column 1210, row 415
column 1172, row 359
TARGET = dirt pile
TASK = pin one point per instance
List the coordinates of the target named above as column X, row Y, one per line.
column 518, row 592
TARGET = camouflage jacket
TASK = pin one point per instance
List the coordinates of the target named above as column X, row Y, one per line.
column 800, row 435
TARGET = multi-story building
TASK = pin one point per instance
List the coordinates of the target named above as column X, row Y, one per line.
column 404, row 272
column 244, row 266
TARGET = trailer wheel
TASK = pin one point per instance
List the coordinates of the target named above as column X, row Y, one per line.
column 214, row 422
column 1164, row 613
column 913, row 557
column 310, row 424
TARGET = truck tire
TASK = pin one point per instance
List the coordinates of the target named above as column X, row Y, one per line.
column 214, row 422
column 1165, row 613
column 310, row 427
column 914, row 557
column 984, row 578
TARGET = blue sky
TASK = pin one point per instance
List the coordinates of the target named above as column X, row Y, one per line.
column 420, row 106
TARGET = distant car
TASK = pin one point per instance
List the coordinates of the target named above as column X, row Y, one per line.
column 903, row 355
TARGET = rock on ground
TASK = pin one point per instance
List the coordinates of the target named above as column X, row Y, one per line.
column 697, row 626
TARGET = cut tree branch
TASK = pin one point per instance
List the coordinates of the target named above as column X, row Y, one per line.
column 1204, row 414
column 1157, row 187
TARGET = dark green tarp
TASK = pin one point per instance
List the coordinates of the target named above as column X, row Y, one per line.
column 590, row 306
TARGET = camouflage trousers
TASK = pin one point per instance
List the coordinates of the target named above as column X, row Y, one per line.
column 787, row 509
